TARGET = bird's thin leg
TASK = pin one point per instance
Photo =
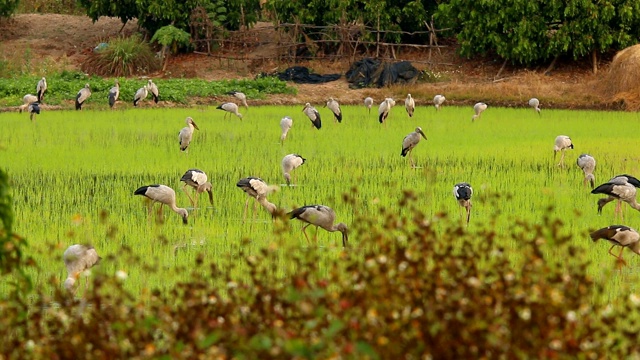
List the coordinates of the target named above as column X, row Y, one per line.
column 468, row 214
column 255, row 210
column 196, row 196
column 611, row 248
column 189, row 196
column 246, row 207
column 561, row 163
column 304, row 231
column 315, row 238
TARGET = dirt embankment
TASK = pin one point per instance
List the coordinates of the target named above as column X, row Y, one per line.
column 63, row 41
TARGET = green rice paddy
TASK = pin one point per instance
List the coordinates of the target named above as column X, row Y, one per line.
column 74, row 174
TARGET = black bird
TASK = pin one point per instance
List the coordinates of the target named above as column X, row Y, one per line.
column 33, row 108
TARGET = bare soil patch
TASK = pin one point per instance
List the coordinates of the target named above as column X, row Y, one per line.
column 65, row 40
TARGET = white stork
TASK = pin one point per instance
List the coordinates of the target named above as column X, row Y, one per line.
column 463, row 191
column 165, row 196
column 289, row 163
column 140, row 95
column 334, row 106
column 535, row 104
column 368, row 103
column 199, row 181
column 41, row 88
column 186, row 134
column 320, row 216
column 409, row 105
column 410, row 141
column 285, row 124
column 82, row 96
column 587, row 163
column 438, row 100
column 229, row 108
column 26, row 100
column 313, row 115
column 621, row 188
column 240, row 96
column 562, row 143
column 384, row 109
column 33, row 108
column 619, row 235
column 258, row 189
column 478, row 109
column 153, row 89
column 114, row 93
column 77, row 259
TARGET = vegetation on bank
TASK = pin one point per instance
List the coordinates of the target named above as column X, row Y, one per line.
column 63, row 87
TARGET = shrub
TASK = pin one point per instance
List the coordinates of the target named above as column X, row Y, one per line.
column 122, row 57
column 404, row 292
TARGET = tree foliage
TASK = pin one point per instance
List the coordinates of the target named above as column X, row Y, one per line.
column 8, row 7
column 527, row 32
column 154, row 14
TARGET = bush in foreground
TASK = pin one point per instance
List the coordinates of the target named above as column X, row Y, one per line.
column 405, row 291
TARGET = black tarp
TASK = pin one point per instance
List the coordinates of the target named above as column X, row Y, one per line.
column 371, row 72
column 301, row 75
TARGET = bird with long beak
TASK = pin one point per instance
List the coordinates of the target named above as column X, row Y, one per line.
column 410, row 141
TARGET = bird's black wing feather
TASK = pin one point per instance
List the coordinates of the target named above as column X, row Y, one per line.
column 606, row 188
column 294, row 214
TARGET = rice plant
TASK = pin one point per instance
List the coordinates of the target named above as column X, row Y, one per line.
column 74, row 175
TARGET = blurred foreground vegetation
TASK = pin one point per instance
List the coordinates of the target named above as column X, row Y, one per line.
column 410, row 293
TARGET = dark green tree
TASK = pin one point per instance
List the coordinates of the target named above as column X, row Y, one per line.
column 8, row 7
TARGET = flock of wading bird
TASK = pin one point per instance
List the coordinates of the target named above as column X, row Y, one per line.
column 78, row 258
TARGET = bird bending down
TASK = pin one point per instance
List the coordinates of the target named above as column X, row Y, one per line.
column 587, row 163
column 77, row 259
column 256, row 188
column 438, row 100
column 313, row 115
column 186, row 134
column 334, row 106
column 153, row 89
column 289, row 163
column 619, row 235
column 140, row 95
column 285, row 124
column 621, row 188
column 229, row 108
column 199, row 181
column 463, row 191
column 320, row 216
column 478, row 109
column 384, row 109
column 562, row 143
column 82, row 96
column 33, row 108
column 409, row 105
column 410, row 141
column 535, row 104
column 368, row 103
column 41, row 88
column 240, row 96
column 114, row 93
column 26, row 100
column 165, row 196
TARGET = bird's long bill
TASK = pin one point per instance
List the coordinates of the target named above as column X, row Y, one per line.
column 345, row 239
column 210, row 196
column 423, row 135
column 194, row 125
column 184, row 220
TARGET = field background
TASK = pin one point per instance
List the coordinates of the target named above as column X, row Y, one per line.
column 74, row 173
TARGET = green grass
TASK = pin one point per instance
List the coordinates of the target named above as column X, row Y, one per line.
column 69, row 167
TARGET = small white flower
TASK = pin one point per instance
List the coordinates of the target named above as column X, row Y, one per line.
column 525, row 314
column 571, row 316
column 121, row 275
column 635, row 299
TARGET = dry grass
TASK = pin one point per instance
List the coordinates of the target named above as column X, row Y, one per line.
column 622, row 84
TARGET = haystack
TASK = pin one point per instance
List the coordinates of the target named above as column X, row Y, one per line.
column 622, row 84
